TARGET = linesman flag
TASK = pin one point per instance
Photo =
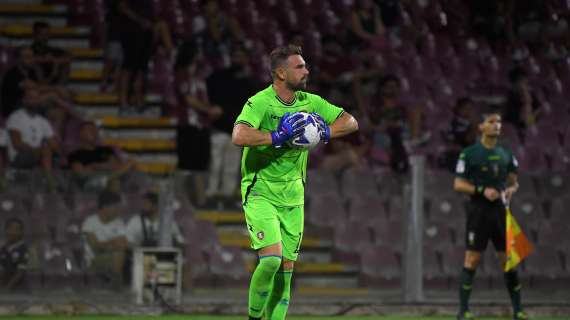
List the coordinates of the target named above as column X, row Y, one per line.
column 518, row 246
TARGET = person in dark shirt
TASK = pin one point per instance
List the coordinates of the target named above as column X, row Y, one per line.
column 228, row 88
column 461, row 133
column 55, row 62
column 25, row 73
column 522, row 108
column 487, row 172
column 13, row 256
column 93, row 160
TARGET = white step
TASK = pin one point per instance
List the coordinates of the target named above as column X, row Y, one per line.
column 55, row 41
column 30, row 19
column 106, row 110
column 79, row 64
column 163, row 157
column 166, row 133
column 334, row 281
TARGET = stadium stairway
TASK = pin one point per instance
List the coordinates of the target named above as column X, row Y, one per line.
column 315, row 272
column 143, row 137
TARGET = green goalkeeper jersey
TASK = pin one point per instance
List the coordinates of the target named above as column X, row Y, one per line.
column 278, row 174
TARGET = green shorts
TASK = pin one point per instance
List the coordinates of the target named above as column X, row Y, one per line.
column 268, row 224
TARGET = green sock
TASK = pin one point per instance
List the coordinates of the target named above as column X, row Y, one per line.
column 514, row 287
column 279, row 300
column 465, row 288
column 261, row 283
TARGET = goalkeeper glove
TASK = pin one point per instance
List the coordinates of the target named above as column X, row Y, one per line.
column 323, row 127
column 289, row 126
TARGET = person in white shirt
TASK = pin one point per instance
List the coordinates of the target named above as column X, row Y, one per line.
column 143, row 229
column 105, row 240
column 32, row 141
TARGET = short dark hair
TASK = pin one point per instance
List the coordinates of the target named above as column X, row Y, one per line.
column 152, row 197
column 38, row 25
column 280, row 54
column 517, row 74
column 489, row 111
column 389, row 78
column 460, row 102
column 107, row 199
column 186, row 54
column 13, row 220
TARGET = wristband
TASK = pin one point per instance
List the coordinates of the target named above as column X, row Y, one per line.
column 479, row 190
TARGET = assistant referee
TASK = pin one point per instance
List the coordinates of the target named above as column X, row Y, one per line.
column 488, row 173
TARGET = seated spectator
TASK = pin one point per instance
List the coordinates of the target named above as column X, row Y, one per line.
column 394, row 126
column 347, row 152
column 522, row 108
column 336, row 76
column 32, row 142
column 228, row 88
column 462, row 132
column 55, row 62
column 94, row 163
column 366, row 26
column 143, row 229
column 13, row 256
column 112, row 45
column 106, row 243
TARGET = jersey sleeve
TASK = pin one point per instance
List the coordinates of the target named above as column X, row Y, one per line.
column 251, row 114
column 513, row 166
column 327, row 110
column 461, row 169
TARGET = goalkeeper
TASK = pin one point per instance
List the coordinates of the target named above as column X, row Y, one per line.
column 273, row 174
column 487, row 172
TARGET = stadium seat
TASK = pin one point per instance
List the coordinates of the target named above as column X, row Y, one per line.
column 12, row 203
column 228, row 267
column 321, row 181
column 436, row 235
column 367, row 207
column 554, row 184
column 348, row 238
column 326, row 210
column 379, row 266
column 446, row 209
column 544, row 265
column 390, row 234
column 358, row 182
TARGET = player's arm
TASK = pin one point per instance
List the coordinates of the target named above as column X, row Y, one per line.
column 344, row 125
column 246, row 136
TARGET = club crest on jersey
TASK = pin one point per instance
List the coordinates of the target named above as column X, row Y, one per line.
column 495, row 167
column 260, row 235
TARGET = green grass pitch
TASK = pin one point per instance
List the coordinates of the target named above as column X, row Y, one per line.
column 243, row 318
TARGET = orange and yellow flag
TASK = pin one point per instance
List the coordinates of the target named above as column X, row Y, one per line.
column 518, row 246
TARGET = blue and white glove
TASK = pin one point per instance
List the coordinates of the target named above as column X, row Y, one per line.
column 323, row 127
column 290, row 125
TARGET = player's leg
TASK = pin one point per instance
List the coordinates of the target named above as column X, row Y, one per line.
column 292, row 221
column 476, row 238
column 263, row 227
column 511, row 277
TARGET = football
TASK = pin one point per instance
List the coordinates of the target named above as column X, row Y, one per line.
column 312, row 135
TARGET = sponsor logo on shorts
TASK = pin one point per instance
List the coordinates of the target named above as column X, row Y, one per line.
column 260, row 235
column 471, row 237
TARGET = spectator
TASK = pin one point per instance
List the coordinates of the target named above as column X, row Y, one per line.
column 393, row 125
column 25, row 73
column 136, row 35
column 390, row 12
column 55, row 62
column 366, row 26
column 13, row 256
column 105, row 240
column 143, row 229
column 93, row 162
column 346, row 152
column 32, row 141
column 112, row 45
column 462, row 132
column 522, row 108
column 221, row 32
column 195, row 115
column 229, row 88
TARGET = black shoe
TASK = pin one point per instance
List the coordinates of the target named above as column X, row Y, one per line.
column 465, row 315
column 521, row 315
